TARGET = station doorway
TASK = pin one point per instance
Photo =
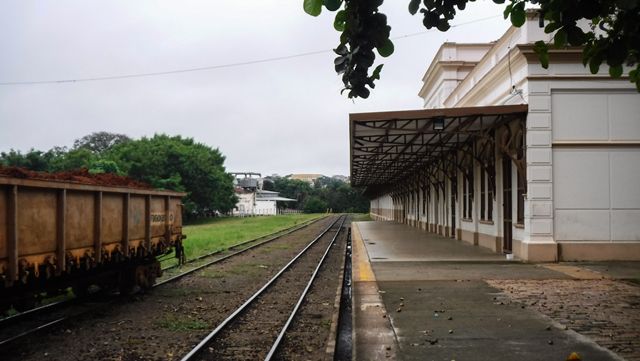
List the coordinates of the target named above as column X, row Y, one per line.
column 507, row 206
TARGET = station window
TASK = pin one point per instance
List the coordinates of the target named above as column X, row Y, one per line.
column 464, row 196
column 483, row 193
column 436, row 199
column 492, row 172
column 521, row 193
column 467, row 198
column 470, row 198
column 486, row 195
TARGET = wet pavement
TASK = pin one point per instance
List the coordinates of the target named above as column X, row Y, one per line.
column 420, row 296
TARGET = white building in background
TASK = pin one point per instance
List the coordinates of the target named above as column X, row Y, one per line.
column 253, row 200
column 507, row 155
column 306, row 177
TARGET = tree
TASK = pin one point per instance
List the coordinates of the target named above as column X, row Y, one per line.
column 340, row 196
column 100, row 142
column 33, row 159
column 62, row 160
column 179, row 164
column 613, row 38
column 294, row 189
column 326, row 193
column 268, row 185
column 315, row 205
column 104, row 166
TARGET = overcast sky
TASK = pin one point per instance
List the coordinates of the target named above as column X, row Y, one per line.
column 283, row 116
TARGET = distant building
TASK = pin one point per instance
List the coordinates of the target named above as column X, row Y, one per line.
column 252, row 199
column 309, row 178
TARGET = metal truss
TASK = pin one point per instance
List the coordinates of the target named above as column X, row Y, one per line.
column 426, row 146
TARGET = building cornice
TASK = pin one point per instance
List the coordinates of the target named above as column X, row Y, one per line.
column 437, row 63
column 440, row 67
column 496, row 45
column 566, row 55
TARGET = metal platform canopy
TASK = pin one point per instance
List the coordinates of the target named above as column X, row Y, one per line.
column 387, row 147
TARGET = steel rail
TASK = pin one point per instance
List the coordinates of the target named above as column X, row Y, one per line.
column 56, row 320
column 196, row 350
column 293, row 314
column 14, row 318
column 271, row 237
column 69, row 302
column 217, row 260
column 35, row 329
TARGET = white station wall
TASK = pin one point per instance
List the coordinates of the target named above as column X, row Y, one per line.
column 596, row 181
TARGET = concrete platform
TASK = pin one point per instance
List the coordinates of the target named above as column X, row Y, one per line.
column 420, row 296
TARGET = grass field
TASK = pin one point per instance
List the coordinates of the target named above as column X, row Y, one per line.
column 221, row 233
column 360, row 217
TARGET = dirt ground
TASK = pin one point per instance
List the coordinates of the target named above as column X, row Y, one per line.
column 607, row 311
column 251, row 336
column 165, row 323
column 309, row 333
column 81, row 176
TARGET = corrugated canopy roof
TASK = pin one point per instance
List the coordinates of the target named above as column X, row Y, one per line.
column 387, row 146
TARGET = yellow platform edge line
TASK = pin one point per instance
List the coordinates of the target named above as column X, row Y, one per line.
column 362, row 271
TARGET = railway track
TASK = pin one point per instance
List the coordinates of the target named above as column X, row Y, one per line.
column 230, row 252
column 26, row 323
column 256, row 329
column 246, row 245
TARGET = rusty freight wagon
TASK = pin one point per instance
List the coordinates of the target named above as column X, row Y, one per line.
column 59, row 234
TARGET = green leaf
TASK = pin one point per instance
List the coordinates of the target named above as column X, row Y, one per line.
column 413, row 6
column 332, row 5
column 430, row 19
column 430, row 4
column 594, row 64
column 518, row 15
column 541, row 48
column 361, row 92
column 376, row 72
column 386, row 49
column 551, row 27
column 560, row 38
column 507, row 10
column 339, row 60
column 340, row 20
column 443, row 25
column 575, row 35
column 615, row 71
column 312, row 7
column 341, row 50
column 586, row 53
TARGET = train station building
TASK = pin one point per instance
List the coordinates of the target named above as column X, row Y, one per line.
column 543, row 164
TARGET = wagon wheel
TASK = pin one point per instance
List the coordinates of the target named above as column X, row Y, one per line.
column 127, row 281
column 142, row 276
